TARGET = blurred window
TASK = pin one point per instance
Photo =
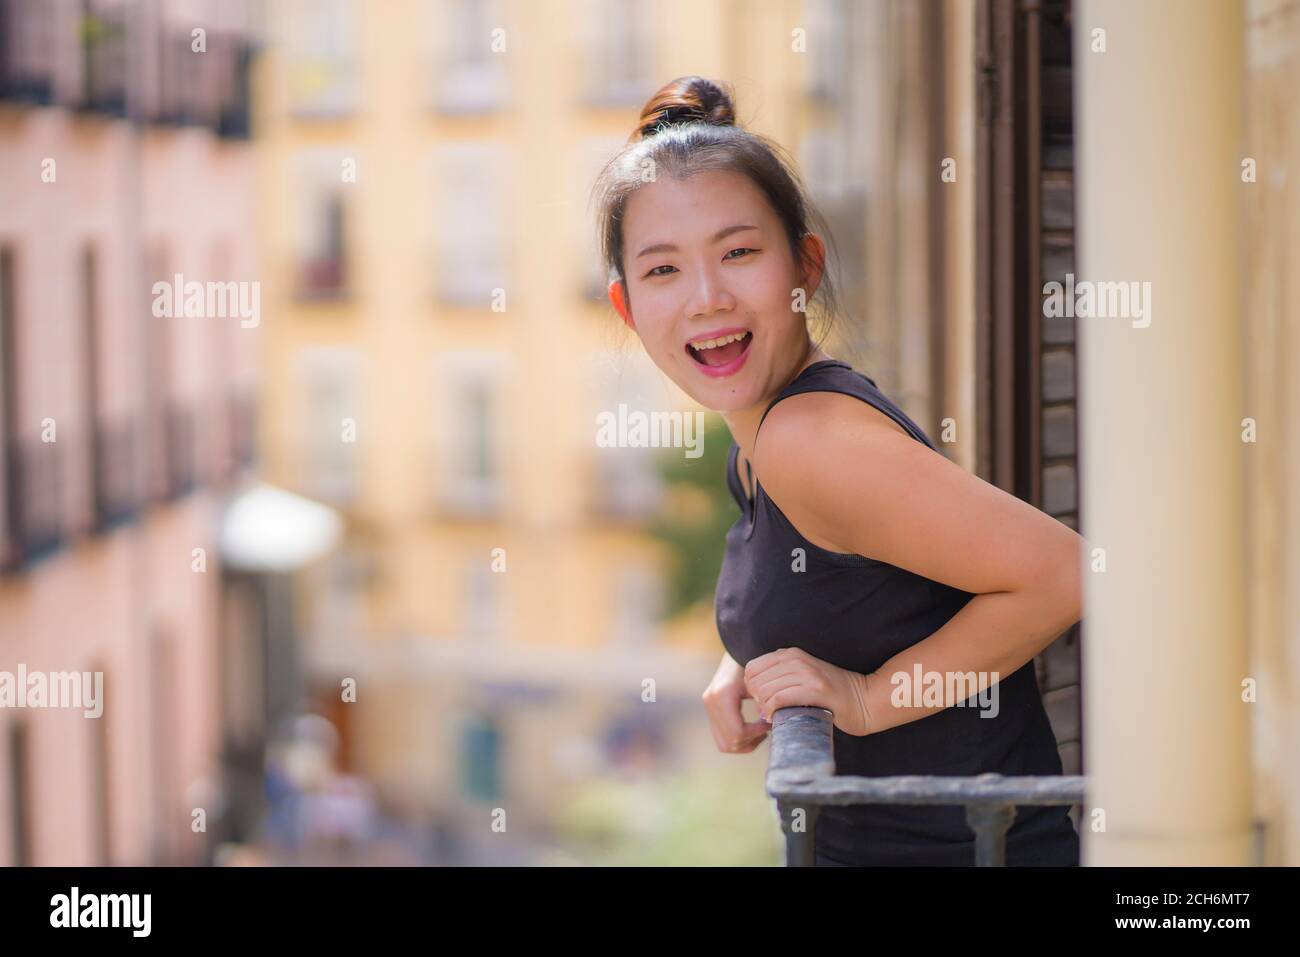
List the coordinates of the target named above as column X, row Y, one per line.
column 469, row 76
column 827, row 48
column 467, row 441
column 321, row 44
column 104, row 50
column 329, row 464
column 593, row 153
column 625, row 481
column 8, row 397
column 473, row 197
column 482, row 599
column 339, row 583
column 638, row 603
column 617, row 39
column 321, row 240
column 27, row 50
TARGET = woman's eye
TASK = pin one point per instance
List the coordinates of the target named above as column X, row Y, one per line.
column 742, row 249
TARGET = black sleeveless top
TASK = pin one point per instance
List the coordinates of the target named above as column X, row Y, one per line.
column 856, row 612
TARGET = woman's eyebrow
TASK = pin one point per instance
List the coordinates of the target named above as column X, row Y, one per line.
column 670, row 248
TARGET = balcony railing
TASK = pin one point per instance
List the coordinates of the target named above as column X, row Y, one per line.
column 182, row 464
column 234, row 121
column 117, row 498
column 33, row 510
column 84, row 61
column 34, row 526
column 27, row 51
column 801, row 777
column 243, row 430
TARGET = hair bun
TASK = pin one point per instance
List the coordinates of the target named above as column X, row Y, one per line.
column 687, row 99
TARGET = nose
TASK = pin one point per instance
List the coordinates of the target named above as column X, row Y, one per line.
column 709, row 295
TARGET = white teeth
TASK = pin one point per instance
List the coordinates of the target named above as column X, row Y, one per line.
column 722, row 341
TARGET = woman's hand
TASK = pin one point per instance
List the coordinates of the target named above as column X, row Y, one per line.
column 790, row 677
column 722, row 700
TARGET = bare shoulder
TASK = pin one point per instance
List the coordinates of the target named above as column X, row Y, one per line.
column 799, row 424
column 819, row 432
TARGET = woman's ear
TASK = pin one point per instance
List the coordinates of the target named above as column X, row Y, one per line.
column 617, row 295
column 813, row 262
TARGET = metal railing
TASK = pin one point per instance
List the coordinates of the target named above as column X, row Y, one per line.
column 34, row 501
column 117, row 499
column 182, row 460
column 801, row 777
column 242, row 410
column 27, row 49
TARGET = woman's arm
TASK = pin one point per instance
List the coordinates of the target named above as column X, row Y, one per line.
column 882, row 494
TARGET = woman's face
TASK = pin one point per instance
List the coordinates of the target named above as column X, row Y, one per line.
column 706, row 258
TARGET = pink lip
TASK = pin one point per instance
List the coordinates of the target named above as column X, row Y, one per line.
column 732, row 367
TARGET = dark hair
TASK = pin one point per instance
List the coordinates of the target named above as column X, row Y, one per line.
column 687, row 127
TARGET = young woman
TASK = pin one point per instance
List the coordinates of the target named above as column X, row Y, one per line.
column 863, row 559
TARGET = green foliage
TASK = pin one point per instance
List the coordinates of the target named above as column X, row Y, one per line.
column 694, row 523
column 710, row 818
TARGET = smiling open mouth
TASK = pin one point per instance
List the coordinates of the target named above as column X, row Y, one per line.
column 721, row 351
